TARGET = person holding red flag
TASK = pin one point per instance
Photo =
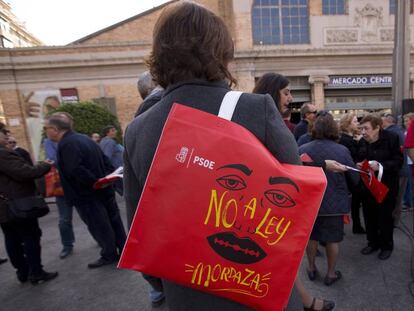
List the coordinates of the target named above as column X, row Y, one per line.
column 382, row 150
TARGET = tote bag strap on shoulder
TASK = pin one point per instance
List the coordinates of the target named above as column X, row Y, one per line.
column 229, row 104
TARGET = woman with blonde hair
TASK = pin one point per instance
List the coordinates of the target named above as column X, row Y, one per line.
column 348, row 128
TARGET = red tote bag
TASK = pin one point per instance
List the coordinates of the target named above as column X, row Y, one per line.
column 376, row 187
column 220, row 214
column 53, row 185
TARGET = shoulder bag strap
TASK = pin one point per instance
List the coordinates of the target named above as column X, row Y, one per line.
column 229, row 104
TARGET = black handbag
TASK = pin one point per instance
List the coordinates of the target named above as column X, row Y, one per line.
column 28, row 207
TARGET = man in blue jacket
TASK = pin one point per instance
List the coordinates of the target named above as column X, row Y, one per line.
column 81, row 163
column 389, row 123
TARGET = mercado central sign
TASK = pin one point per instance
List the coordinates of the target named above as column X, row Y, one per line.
column 360, row 81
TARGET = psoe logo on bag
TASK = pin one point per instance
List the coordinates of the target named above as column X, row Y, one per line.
column 182, row 155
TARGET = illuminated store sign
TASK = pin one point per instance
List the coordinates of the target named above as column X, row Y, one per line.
column 360, row 81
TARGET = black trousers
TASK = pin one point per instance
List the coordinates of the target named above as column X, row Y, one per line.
column 22, row 239
column 355, row 206
column 379, row 223
column 101, row 215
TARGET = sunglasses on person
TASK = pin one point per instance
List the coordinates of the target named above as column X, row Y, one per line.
column 48, row 127
column 322, row 113
column 12, row 142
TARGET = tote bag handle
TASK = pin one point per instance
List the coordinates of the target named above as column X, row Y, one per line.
column 228, row 104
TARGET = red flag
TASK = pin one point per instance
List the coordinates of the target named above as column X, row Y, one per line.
column 305, row 157
column 109, row 179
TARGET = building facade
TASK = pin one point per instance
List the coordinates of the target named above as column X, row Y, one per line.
column 336, row 53
column 13, row 33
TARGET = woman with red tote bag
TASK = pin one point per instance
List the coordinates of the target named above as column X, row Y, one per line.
column 382, row 151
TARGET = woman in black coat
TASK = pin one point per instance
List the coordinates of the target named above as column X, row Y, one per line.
column 22, row 236
column 381, row 148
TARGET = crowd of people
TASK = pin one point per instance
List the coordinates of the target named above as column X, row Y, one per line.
column 189, row 64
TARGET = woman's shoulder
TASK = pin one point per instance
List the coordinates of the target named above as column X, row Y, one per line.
column 389, row 135
column 256, row 99
column 261, row 104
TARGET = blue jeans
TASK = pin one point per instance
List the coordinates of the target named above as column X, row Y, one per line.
column 65, row 222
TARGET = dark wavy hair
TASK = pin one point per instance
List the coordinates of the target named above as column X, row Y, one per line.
column 325, row 127
column 271, row 83
column 372, row 118
column 190, row 42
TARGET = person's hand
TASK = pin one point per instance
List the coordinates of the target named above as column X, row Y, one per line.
column 374, row 165
column 49, row 162
column 359, row 165
column 336, row 167
column 31, row 109
column 357, row 137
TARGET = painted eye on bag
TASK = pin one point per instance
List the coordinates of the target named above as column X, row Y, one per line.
column 232, row 182
column 279, row 198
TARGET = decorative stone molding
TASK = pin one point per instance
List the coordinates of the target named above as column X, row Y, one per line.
column 369, row 18
column 341, row 36
column 318, row 79
column 387, row 35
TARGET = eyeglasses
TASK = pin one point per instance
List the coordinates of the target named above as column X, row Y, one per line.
column 12, row 142
column 322, row 113
column 313, row 112
column 48, row 127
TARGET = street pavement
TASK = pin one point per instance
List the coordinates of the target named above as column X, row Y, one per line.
column 368, row 283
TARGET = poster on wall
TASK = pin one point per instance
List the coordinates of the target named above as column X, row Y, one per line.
column 37, row 104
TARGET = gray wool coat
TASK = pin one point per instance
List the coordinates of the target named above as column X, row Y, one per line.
column 255, row 112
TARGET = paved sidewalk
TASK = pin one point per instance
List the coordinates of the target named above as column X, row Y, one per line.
column 368, row 284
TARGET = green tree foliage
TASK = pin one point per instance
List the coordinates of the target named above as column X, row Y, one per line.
column 90, row 118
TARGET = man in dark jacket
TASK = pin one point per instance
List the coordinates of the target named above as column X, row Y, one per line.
column 22, row 236
column 389, row 124
column 307, row 113
column 81, row 163
column 150, row 92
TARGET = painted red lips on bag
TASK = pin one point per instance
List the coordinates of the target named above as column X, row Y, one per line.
column 233, row 248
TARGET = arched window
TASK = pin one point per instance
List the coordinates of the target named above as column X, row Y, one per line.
column 333, row 7
column 280, row 22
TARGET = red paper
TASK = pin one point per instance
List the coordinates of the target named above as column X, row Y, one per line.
column 377, row 188
column 305, row 157
column 347, row 219
column 220, row 214
column 109, row 179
